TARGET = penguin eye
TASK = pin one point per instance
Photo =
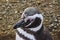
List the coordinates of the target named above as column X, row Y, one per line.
column 35, row 23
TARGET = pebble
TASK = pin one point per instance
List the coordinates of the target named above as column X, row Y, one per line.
column 16, row 11
column 0, row 18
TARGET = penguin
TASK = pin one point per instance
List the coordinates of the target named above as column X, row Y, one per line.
column 30, row 26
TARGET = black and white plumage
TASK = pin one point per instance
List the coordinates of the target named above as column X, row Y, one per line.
column 30, row 27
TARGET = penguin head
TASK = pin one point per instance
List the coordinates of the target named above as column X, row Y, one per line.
column 31, row 18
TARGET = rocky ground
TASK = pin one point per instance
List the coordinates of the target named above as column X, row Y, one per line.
column 10, row 11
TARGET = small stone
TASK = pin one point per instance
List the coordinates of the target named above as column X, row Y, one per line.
column 16, row 11
column 3, row 30
column 59, row 21
column 10, row 4
column 38, row 3
column 8, row 7
column 56, row 20
column 3, row 5
column 9, row 27
column 0, row 18
column 57, row 24
column 51, row 5
column 52, row 24
column 4, row 12
column 55, row 27
column 46, row 20
column 53, row 30
column 7, row 0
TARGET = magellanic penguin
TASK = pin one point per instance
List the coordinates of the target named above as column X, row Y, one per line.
column 30, row 26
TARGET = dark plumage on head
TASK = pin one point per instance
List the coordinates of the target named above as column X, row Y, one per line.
column 31, row 18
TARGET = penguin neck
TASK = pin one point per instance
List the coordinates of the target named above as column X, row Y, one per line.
column 25, row 33
column 39, row 33
column 40, row 30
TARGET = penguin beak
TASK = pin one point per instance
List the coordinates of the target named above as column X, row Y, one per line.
column 22, row 23
column 19, row 24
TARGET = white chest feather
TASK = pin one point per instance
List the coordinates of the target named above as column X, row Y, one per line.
column 30, row 36
column 18, row 37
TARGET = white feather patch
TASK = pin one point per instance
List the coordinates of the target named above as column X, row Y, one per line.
column 30, row 36
column 18, row 37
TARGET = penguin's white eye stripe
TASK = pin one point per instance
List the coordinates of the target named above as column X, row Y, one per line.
column 34, row 16
column 23, row 16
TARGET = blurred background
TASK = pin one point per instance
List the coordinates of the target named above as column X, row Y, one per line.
column 11, row 10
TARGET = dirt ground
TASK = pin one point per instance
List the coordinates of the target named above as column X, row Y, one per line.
column 11, row 10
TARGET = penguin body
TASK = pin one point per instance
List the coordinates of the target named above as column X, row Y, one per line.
column 30, row 27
